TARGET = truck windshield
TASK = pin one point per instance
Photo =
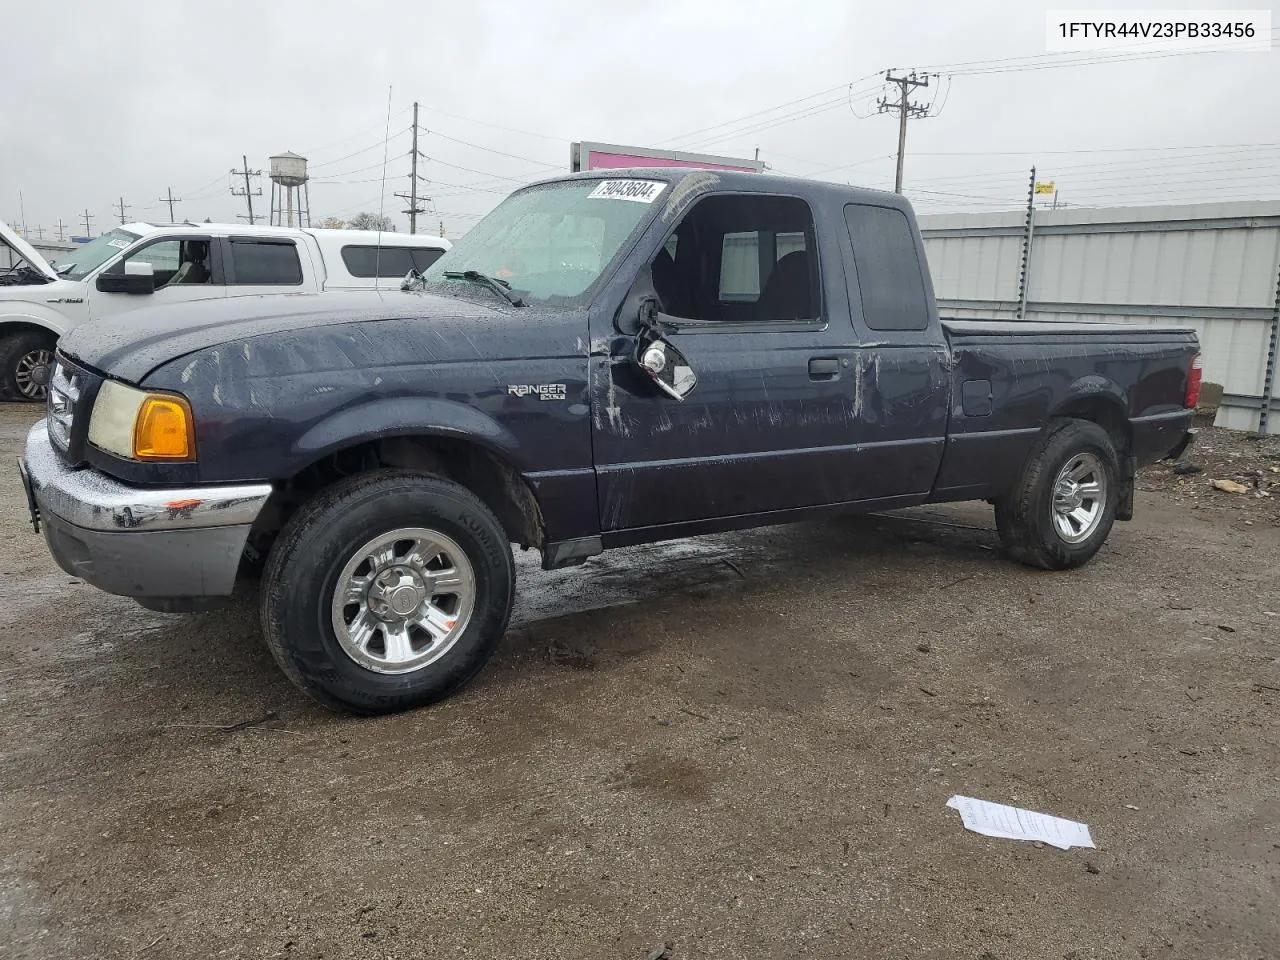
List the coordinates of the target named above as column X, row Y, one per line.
column 551, row 242
column 78, row 264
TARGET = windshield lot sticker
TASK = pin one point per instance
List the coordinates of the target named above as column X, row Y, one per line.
column 119, row 244
column 641, row 191
column 543, row 391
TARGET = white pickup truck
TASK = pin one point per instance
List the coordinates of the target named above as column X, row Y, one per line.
column 141, row 264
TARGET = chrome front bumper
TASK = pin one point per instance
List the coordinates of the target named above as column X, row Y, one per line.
column 136, row 541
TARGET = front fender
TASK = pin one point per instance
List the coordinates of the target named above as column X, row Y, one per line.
column 33, row 315
column 406, row 416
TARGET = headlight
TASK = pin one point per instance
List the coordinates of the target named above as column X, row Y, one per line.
column 141, row 425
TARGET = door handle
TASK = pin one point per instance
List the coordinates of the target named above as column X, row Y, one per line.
column 824, row 368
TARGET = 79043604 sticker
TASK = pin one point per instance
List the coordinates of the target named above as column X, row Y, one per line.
column 641, row 191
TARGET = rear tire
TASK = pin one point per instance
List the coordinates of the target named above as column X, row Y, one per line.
column 1062, row 508
column 20, row 353
column 388, row 591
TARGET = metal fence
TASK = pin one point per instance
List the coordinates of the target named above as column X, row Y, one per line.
column 51, row 251
column 1212, row 267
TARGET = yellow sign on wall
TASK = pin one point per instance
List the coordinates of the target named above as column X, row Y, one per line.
column 1046, row 187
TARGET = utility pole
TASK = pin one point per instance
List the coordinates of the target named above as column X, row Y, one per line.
column 412, row 195
column 170, row 200
column 61, row 237
column 39, row 232
column 123, row 208
column 22, row 212
column 248, row 192
column 88, row 230
column 442, row 228
column 905, row 109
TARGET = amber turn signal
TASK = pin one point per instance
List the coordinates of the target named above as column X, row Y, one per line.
column 164, row 429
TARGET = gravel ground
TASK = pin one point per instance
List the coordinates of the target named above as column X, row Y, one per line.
column 1252, row 462
column 739, row 746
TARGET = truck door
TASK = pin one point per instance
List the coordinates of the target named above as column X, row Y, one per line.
column 185, row 269
column 770, row 424
column 903, row 385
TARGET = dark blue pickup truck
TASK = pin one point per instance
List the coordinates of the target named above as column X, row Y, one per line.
column 606, row 359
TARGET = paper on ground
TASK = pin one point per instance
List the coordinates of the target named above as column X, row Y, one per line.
column 1014, row 823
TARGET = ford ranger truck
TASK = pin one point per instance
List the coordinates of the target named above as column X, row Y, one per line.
column 607, row 359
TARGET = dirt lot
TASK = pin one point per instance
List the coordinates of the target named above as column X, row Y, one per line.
column 738, row 747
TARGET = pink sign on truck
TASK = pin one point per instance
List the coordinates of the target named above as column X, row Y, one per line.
column 611, row 156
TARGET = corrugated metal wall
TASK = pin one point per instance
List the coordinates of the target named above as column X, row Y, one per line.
column 50, row 251
column 1212, row 267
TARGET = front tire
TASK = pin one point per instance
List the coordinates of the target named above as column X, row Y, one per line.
column 1062, row 508
column 20, row 354
column 388, row 591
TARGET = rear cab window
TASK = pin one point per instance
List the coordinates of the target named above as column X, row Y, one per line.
column 264, row 262
column 390, row 262
column 890, row 276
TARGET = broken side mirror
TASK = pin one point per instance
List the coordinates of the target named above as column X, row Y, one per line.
column 664, row 365
column 412, row 281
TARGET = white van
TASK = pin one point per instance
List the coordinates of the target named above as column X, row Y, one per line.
column 143, row 264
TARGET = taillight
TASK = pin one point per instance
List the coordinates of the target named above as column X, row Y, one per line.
column 1193, row 383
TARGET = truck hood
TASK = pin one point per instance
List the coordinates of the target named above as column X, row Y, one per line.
column 131, row 345
column 26, row 251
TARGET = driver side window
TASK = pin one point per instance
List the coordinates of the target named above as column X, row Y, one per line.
column 742, row 258
column 177, row 262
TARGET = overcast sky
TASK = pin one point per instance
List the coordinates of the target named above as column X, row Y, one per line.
column 105, row 100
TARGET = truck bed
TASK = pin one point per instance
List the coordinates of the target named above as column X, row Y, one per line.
column 1010, row 377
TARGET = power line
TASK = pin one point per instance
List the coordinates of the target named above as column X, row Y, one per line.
column 773, row 109
column 358, row 133
column 372, row 146
column 482, row 173
column 347, row 173
column 1239, row 159
column 761, row 126
column 1045, row 61
column 498, row 126
column 206, row 186
column 1028, row 153
column 804, row 113
column 1087, row 61
column 478, row 146
column 827, row 166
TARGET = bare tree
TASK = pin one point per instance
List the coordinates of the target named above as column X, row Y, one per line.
column 371, row 221
column 332, row 223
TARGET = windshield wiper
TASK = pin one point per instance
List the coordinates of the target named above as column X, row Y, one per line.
column 500, row 287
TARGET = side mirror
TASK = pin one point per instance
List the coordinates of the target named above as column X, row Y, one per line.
column 664, row 365
column 137, row 277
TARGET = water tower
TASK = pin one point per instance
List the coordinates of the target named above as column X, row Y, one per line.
column 289, row 190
